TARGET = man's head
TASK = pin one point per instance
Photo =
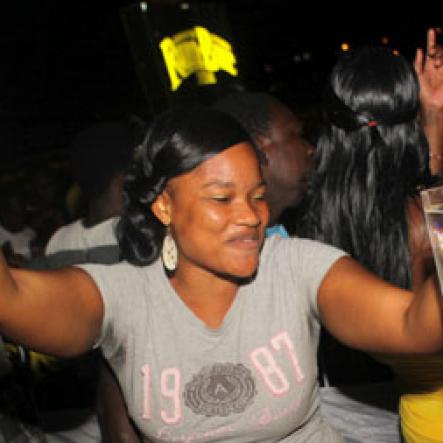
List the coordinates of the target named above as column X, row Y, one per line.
column 13, row 211
column 100, row 156
column 277, row 133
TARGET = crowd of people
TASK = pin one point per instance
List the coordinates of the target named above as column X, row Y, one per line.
column 211, row 256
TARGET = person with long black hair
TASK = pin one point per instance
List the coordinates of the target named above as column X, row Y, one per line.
column 212, row 331
column 372, row 160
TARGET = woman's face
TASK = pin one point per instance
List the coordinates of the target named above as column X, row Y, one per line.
column 218, row 214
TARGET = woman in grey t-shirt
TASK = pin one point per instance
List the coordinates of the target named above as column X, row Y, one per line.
column 217, row 340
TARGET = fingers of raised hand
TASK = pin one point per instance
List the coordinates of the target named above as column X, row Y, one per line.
column 434, row 53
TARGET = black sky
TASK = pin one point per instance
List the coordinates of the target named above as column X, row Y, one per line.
column 66, row 64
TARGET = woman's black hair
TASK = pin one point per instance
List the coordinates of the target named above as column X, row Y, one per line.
column 371, row 159
column 177, row 141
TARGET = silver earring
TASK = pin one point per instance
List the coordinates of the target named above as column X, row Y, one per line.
column 169, row 253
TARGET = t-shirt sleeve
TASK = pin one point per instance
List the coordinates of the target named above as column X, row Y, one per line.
column 305, row 262
column 313, row 260
column 31, row 232
column 111, row 281
column 51, row 245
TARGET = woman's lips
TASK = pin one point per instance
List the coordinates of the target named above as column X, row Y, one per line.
column 245, row 241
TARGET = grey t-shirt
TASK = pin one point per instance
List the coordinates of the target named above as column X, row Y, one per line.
column 254, row 379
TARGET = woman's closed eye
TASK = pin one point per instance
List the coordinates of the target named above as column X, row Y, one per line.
column 221, row 198
column 259, row 197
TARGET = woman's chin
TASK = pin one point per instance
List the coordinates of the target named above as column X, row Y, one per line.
column 243, row 269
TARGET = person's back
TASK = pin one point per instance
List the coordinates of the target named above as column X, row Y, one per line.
column 371, row 162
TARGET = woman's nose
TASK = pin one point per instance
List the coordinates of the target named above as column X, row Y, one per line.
column 248, row 214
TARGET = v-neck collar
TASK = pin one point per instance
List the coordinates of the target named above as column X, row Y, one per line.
column 188, row 315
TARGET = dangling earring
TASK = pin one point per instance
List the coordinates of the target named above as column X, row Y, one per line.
column 169, row 253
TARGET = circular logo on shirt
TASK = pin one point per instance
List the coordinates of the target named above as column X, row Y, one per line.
column 220, row 390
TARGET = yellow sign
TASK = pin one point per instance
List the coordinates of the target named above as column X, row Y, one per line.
column 197, row 51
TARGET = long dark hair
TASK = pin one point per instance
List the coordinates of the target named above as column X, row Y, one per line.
column 177, row 141
column 371, row 159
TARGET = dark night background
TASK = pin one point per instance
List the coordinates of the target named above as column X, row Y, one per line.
column 67, row 64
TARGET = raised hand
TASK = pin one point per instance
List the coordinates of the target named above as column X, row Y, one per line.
column 429, row 69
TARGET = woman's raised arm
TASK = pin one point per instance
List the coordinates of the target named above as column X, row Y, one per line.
column 365, row 312
column 57, row 312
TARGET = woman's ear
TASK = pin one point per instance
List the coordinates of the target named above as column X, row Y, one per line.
column 161, row 208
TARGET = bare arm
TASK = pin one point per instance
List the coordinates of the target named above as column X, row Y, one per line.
column 115, row 424
column 56, row 312
column 365, row 312
column 429, row 69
